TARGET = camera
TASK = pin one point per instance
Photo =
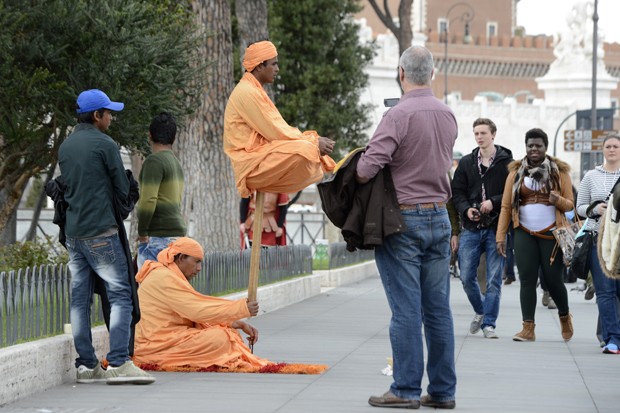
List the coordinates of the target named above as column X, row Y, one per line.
column 486, row 220
column 390, row 102
column 476, row 206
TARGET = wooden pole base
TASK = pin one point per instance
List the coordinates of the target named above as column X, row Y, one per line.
column 257, row 229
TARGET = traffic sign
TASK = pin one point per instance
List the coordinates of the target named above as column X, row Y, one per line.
column 585, row 140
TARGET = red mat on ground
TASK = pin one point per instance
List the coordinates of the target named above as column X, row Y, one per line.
column 273, row 368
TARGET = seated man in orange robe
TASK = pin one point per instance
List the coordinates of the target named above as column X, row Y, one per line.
column 267, row 154
column 183, row 329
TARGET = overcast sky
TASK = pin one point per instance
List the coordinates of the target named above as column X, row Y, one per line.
column 549, row 16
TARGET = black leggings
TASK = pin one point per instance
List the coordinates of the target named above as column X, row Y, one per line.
column 532, row 252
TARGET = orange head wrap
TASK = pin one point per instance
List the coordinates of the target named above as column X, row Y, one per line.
column 181, row 245
column 257, row 53
column 165, row 258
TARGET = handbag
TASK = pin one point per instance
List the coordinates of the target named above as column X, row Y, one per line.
column 565, row 238
column 580, row 263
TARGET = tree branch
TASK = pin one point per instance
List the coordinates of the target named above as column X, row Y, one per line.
column 386, row 18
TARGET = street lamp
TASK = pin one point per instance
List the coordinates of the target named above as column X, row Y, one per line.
column 594, row 63
column 466, row 17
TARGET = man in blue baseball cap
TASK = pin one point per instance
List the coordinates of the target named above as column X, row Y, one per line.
column 94, row 175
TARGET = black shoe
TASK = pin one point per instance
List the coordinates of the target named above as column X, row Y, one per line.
column 389, row 399
column 428, row 401
column 509, row 281
column 589, row 293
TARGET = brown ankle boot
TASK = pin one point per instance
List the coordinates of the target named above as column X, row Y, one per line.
column 527, row 334
column 566, row 322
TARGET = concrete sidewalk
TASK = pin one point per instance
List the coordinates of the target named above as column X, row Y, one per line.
column 347, row 328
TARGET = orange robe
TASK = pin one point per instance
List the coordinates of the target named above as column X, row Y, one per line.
column 181, row 327
column 267, row 154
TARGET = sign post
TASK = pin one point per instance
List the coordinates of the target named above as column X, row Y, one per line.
column 585, row 140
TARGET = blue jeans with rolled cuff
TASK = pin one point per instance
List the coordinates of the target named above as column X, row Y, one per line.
column 414, row 270
column 472, row 244
column 106, row 257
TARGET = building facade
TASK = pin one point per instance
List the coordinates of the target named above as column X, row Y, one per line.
column 487, row 53
column 494, row 69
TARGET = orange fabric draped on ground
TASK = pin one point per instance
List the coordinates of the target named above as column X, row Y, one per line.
column 167, row 337
column 168, row 340
column 267, row 154
column 271, row 368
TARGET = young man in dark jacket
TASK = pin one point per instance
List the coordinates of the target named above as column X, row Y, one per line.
column 477, row 189
column 93, row 172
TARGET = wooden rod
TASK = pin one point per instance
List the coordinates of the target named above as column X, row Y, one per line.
column 257, row 229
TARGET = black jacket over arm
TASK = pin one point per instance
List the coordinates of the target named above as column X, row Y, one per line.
column 366, row 213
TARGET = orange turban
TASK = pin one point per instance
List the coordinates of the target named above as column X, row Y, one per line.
column 181, row 245
column 257, row 53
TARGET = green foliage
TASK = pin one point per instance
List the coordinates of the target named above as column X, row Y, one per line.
column 28, row 254
column 139, row 52
column 321, row 68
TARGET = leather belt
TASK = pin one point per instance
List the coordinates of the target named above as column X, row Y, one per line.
column 431, row 205
column 534, row 200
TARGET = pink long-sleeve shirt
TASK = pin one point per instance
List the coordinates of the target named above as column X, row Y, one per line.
column 415, row 138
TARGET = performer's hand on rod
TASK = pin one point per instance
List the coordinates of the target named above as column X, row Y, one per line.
column 326, row 145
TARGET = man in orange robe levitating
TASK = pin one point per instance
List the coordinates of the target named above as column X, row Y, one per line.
column 267, row 154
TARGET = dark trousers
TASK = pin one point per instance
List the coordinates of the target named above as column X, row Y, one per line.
column 532, row 252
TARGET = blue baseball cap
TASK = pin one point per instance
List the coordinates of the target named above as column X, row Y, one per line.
column 93, row 99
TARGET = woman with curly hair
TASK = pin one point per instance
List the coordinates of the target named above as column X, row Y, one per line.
column 537, row 193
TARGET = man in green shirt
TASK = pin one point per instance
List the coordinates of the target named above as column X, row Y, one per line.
column 94, row 174
column 161, row 189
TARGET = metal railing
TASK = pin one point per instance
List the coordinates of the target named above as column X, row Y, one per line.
column 227, row 272
column 340, row 257
column 302, row 227
column 34, row 302
column 305, row 227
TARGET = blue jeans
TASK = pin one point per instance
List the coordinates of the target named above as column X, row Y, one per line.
column 149, row 250
column 414, row 269
column 607, row 295
column 104, row 256
column 471, row 246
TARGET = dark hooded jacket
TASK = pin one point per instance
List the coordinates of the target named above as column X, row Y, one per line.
column 55, row 189
column 467, row 185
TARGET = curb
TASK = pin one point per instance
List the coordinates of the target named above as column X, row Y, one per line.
column 33, row 367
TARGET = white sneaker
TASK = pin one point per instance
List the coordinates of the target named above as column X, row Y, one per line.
column 94, row 375
column 474, row 327
column 489, row 332
column 128, row 373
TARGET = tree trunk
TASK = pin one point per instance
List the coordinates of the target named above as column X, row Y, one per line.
column 405, row 34
column 136, row 165
column 9, row 202
column 211, row 201
column 252, row 26
column 8, row 233
column 252, row 21
column 403, row 31
column 31, row 235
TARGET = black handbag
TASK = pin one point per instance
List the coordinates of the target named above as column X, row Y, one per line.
column 580, row 262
